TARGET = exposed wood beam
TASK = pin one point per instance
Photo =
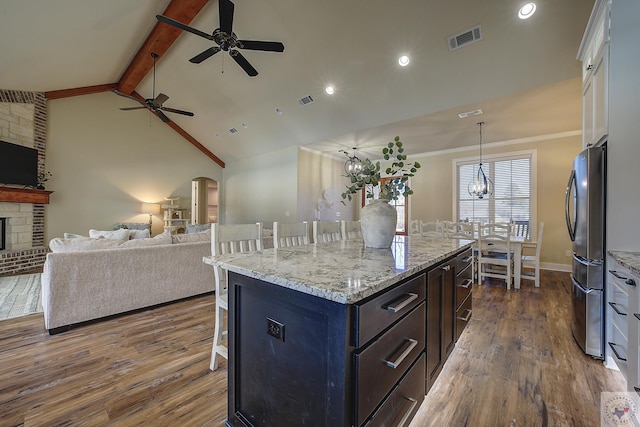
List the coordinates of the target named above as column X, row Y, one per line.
column 66, row 93
column 159, row 40
column 195, row 143
column 186, row 136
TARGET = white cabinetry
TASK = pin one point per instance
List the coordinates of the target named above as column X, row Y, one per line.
column 594, row 54
column 623, row 321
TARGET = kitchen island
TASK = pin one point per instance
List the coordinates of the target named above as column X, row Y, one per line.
column 335, row 334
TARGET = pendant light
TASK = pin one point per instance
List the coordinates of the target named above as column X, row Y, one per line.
column 482, row 186
column 353, row 165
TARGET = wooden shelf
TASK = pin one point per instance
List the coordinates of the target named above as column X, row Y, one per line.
column 24, row 195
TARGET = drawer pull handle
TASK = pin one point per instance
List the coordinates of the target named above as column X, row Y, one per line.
column 636, row 389
column 405, row 302
column 465, row 284
column 612, row 345
column 446, row 268
column 467, row 317
column 615, row 308
column 627, row 281
column 637, row 315
column 467, row 259
column 406, row 415
column 412, row 344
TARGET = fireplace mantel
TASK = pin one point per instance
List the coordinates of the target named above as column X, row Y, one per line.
column 24, row 195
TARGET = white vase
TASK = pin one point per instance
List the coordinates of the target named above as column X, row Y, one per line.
column 378, row 222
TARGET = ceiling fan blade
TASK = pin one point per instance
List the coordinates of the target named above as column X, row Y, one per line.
column 225, row 8
column 205, row 55
column 173, row 110
column 162, row 116
column 242, row 61
column 262, row 45
column 133, row 108
column 160, row 99
column 180, row 25
column 126, row 96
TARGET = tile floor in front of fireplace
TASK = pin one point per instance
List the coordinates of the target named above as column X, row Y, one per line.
column 20, row 295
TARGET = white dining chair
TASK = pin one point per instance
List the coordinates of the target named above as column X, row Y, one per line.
column 532, row 262
column 495, row 255
column 350, row 229
column 226, row 239
column 326, row 231
column 432, row 228
column 290, row 234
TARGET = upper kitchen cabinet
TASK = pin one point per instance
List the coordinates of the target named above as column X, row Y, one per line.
column 594, row 54
column 612, row 111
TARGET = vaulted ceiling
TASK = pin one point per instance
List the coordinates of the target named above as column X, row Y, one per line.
column 523, row 74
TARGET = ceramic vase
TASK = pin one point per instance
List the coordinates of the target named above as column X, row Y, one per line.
column 378, row 222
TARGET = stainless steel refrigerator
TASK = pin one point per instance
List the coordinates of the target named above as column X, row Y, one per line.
column 585, row 214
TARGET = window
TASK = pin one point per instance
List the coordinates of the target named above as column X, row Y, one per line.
column 514, row 195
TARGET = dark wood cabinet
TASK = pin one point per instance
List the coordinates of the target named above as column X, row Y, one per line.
column 464, row 281
column 441, row 327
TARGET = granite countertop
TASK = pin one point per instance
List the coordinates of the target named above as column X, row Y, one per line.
column 345, row 272
column 630, row 260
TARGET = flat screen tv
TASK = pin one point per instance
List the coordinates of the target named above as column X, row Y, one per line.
column 18, row 164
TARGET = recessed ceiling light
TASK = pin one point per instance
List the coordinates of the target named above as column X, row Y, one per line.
column 527, row 10
column 403, row 60
column 244, row 125
column 330, row 90
column 279, row 111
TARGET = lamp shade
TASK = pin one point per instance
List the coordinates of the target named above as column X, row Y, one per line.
column 151, row 208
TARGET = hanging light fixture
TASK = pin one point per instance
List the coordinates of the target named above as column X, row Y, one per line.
column 353, row 165
column 482, row 186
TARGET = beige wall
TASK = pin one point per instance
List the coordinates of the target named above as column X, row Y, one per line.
column 261, row 188
column 106, row 162
column 321, row 182
column 433, row 186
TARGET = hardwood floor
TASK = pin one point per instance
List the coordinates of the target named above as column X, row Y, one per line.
column 516, row 364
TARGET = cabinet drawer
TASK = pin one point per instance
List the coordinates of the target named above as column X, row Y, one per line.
column 375, row 315
column 403, row 403
column 380, row 365
column 463, row 285
column 463, row 260
column 463, row 316
column 618, row 345
column 617, row 307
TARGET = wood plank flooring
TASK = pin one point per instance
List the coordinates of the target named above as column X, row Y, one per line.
column 515, row 365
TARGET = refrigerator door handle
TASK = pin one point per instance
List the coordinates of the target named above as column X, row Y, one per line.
column 587, row 262
column 567, row 199
column 582, row 288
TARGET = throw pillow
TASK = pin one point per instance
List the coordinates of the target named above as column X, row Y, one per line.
column 139, row 234
column 72, row 236
column 197, row 228
column 205, row 236
column 120, row 234
column 160, row 239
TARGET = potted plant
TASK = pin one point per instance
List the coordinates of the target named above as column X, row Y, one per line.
column 378, row 219
column 42, row 178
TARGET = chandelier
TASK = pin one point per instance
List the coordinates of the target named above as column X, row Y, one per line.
column 482, row 186
column 353, row 165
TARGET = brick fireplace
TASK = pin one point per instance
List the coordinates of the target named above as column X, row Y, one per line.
column 23, row 117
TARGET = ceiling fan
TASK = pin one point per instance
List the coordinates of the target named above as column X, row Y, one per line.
column 155, row 102
column 226, row 39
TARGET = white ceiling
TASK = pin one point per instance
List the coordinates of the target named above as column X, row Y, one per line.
column 523, row 74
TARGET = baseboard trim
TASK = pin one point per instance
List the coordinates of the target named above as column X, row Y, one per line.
column 556, row 267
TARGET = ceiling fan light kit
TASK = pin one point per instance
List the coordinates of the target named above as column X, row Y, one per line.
column 226, row 39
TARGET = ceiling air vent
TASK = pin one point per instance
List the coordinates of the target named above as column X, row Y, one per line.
column 233, row 130
column 470, row 113
column 467, row 37
column 306, row 100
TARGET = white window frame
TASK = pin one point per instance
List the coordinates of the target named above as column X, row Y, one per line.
column 513, row 155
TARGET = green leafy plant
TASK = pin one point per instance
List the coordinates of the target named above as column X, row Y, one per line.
column 44, row 177
column 369, row 177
